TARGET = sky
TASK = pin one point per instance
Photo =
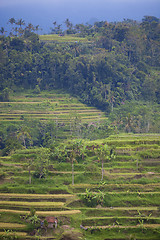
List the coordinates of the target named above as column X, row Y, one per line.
column 45, row 12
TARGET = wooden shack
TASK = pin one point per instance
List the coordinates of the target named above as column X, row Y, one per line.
column 52, row 222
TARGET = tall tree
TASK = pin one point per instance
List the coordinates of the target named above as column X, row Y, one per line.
column 74, row 151
column 2, row 31
column 24, row 134
column 69, row 25
column 42, row 163
column 101, row 152
column 12, row 21
column 20, row 23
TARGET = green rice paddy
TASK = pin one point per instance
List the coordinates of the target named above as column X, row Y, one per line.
column 131, row 184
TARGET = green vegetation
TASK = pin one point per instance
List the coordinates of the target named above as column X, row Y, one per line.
column 80, row 131
column 65, row 38
column 125, row 203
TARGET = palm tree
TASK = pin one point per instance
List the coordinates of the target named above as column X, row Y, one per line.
column 2, row 30
column 69, row 25
column 23, row 134
column 30, row 163
column 83, row 150
column 129, row 123
column 102, row 154
column 67, row 22
column 37, row 28
column 16, row 30
column 30, row 27
column 12, row 21
column 72, row 155
column 20, row 23
column 59, row 30
column 73, row 159
column 54, row 23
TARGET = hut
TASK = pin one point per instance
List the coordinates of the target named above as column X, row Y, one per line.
column 52, row 222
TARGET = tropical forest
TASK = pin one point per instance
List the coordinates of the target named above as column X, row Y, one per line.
column 80, row 130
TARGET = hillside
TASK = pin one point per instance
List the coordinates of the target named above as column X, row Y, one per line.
column 60, row 39
column 111, row 66
column 44, row 119
column 80, row 131
column 52, row 105
column 124, row 205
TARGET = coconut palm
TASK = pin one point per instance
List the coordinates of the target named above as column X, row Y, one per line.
column 69, row 25
column 73, row 159
column 20, row 23
column 12, row 21
column 2, row 30
column 30, row 27
column 37, row 28
column 101, row 152
column 73, row 152
column 23, row 135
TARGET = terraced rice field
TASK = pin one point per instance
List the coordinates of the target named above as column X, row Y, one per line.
column 57, row 38
column 53, row 106
column 9, row 212
column 131, row 186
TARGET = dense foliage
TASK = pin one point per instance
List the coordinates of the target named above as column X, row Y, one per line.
column 119, row 63
column 117, row 68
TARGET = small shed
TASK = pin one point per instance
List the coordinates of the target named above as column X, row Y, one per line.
column 52, row 222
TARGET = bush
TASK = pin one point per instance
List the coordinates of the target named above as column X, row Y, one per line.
column 92, row 199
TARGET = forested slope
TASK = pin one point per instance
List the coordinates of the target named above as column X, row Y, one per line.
column 66, row 100
column 112, row 66
column 119, row 63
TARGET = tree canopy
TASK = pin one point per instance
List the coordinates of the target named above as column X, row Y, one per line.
column 116, row 64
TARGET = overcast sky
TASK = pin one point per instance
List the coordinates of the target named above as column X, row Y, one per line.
column 45, row 12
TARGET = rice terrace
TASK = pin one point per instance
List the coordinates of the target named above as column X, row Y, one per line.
column 125, row 203
column 80, row 132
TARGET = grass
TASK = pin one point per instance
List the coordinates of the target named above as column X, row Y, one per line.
column 117, row 211
column 123, row 234
column 120, row 221
column 19, row 234
column 11, row 225
column 35, row 196
column 122, row 217
column 46, row 107
column 132, row 193
column 125, row 226
column 66, row 38
column 43, row 213
column 32, row 204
